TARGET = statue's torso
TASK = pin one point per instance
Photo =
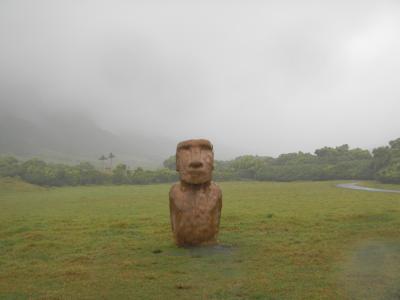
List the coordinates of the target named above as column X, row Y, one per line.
column 195, row 213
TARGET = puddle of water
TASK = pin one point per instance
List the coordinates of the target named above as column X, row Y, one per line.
column 210, row 250
column 204, row 250
column 372, row 271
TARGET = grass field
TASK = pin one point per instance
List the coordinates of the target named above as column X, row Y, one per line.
column 303, row 240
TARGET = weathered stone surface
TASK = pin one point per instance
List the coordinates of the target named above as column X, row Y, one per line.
column 195, row 202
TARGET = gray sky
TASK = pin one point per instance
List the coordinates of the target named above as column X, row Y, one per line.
column 258, row 77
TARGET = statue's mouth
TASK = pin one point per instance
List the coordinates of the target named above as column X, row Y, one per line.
column 197, row 175
column 196, row 172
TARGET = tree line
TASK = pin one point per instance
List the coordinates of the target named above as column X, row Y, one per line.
column 328, row 163
column 39, row 172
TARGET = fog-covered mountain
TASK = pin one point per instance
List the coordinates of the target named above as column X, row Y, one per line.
column 72, row 138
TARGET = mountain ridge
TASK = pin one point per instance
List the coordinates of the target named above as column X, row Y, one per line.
column 74, row 138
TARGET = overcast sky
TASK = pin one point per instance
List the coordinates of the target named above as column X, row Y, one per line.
column 257, row 77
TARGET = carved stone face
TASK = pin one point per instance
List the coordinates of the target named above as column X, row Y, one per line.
column 195, row 161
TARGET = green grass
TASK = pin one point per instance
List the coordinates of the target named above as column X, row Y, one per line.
column 303, row 240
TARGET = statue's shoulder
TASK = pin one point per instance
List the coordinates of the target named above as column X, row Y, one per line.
column 216, row 189
column 174, row 190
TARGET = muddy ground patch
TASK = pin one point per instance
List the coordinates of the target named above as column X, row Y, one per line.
column 372, row 271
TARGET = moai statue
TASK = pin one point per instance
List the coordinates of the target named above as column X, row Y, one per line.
column 195, row 202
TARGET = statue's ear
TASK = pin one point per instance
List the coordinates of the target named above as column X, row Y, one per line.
column 177, row 167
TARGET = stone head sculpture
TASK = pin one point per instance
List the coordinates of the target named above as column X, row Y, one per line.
column 195, row 161
column 195, row 202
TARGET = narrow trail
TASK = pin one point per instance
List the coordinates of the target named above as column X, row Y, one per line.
column 354, row 186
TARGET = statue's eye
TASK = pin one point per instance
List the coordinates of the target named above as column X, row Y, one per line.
column 185, row 147
column 206, row 147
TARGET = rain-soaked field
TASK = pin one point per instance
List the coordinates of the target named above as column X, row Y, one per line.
column 302, row 240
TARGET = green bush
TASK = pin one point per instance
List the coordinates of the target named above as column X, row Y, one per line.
column 325, row 164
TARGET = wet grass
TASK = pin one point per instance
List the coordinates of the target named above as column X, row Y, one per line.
column 372, row 270
column 303, row 240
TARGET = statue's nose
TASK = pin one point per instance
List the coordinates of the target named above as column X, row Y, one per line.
column 196, row 164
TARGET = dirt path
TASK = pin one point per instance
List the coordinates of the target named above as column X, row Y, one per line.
column 354, row 186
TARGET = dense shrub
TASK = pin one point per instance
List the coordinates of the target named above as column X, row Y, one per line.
column 9, row 167
column 391, row 173
column 325, row 164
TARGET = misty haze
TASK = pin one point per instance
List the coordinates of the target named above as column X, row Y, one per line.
column 255, row 78
column 298, row 102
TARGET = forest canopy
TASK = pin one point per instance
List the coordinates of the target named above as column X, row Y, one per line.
column 326, row 163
